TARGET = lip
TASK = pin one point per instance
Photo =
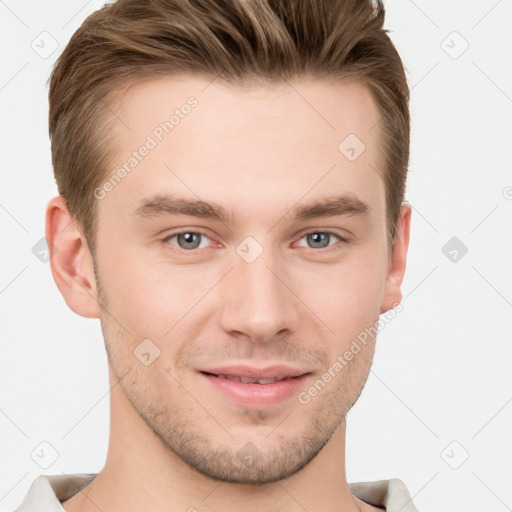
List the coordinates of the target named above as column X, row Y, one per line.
column 254, row 394
column 278, row 371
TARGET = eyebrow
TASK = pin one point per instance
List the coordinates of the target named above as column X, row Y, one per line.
column 164, row 204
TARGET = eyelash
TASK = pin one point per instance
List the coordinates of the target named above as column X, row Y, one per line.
column 199, row 232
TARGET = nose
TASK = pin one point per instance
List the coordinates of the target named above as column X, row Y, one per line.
column 258, row 301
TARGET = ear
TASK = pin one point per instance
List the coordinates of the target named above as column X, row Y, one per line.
column 397, row 262
column 70, row 260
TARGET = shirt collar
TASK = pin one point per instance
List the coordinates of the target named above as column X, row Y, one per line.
column 50, row 490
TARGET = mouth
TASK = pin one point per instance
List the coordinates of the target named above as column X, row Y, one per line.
column 255, row 387
column 249, row 380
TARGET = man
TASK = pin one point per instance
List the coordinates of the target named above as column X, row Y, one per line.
column 231, row 178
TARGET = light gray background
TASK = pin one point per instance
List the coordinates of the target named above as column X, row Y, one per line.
column 440, row 388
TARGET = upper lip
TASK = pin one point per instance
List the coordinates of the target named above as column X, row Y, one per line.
column 266, row 372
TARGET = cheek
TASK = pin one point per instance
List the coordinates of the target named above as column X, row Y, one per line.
column 159, row 300
column 355, row 288
column 140, row 296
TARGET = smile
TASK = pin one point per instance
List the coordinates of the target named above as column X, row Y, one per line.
column 250, row 380
column 248, row 386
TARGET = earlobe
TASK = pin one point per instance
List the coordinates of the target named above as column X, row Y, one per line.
column 70, row 260
column 392, row 292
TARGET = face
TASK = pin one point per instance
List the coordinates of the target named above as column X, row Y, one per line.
column 217, row 263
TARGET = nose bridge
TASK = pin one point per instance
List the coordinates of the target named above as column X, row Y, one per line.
column 258, row 303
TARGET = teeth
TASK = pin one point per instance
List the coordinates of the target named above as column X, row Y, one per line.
column 249, row 380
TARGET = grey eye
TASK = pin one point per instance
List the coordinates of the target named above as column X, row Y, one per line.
column 188, row 240
column 319, row 239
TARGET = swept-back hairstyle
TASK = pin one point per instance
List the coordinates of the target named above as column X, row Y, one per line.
column 241, row 42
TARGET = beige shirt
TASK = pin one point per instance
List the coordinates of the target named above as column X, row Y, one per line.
column 48, row 491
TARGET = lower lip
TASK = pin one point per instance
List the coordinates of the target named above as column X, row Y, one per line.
column 256, row 395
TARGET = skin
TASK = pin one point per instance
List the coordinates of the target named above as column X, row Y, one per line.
column 174, row 439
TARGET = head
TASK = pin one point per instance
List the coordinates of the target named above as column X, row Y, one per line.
column 231, row 178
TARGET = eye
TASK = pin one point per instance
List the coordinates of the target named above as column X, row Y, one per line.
column 187, row 240
column 321, row 239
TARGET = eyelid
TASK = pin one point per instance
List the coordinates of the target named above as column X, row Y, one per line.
column 342, row 234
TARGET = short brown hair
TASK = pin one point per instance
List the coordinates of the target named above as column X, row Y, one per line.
column 242, row 42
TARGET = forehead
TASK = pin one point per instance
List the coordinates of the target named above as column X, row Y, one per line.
column 212, row 140
column 321, row 106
